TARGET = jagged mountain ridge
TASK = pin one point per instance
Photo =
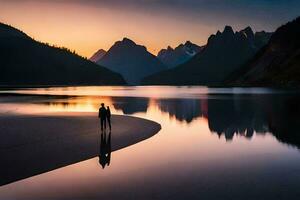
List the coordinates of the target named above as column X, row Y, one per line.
column 181, row 54
column 224, row 53
column 277, row 64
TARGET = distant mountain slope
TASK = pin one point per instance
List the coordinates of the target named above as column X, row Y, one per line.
column 133, row 61
column 24, row 61
column 181, row 54
column 278, row 64
column 224, row 53
column 98, row 55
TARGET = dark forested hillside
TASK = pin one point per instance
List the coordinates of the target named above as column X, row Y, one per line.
column 24, row 61
column 277, row 64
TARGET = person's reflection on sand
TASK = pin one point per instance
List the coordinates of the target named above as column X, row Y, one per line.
column 105, row 149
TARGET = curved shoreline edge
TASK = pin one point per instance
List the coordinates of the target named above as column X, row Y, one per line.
column 35, row 144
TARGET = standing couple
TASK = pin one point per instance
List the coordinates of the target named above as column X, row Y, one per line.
column 104, row 114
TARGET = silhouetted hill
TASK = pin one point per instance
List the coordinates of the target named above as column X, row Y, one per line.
column 98, row 55
column 224, row 53
column 133, row 61
column 277, row 64
column 181, row 54
column 7, row 31
column 24, row 61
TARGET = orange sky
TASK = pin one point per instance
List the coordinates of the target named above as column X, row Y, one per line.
column 87, row 27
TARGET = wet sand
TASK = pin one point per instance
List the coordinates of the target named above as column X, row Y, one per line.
column 31, row 145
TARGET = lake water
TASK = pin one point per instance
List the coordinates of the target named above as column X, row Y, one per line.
column 215, row 143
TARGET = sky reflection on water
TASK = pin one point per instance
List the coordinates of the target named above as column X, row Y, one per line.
column 212, row 145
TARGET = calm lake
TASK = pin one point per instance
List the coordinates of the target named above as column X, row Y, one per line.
column 215, row 143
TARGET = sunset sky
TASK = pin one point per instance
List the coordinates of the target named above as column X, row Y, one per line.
column 88, row 25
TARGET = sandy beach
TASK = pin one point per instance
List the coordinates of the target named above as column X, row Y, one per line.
column 35, row 144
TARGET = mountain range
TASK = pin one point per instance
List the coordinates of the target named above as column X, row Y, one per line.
column 277, row 64
column 181, row 54
column 24, row 61
column 224, row 53
column 131, row 60
column 242, row 58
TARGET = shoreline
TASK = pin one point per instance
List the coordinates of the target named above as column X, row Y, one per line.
column 35, row 144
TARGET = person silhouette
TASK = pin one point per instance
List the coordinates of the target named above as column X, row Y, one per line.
column 108, row 116
column 105, row 150
column 102, row 116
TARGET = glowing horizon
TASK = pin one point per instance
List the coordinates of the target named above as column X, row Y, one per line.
column 87, row 26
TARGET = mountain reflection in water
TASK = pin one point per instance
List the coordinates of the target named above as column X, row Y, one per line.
column 214, row 143
column 227, row 115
